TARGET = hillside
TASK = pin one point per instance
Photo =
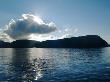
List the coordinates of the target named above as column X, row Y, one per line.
column 89, row 41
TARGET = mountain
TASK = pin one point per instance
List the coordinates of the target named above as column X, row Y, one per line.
column 89, row 41
column 23, row 44
column 4, row 44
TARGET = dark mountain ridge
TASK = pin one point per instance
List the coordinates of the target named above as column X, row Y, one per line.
column 89, row 41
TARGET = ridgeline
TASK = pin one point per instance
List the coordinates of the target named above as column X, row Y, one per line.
column 89, row 41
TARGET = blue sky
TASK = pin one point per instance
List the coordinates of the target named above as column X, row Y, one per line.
column 88, row 16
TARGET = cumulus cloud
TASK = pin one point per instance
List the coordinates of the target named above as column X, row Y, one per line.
column 5, row 37
column 28, row 24
column 34, row 28
column 59, row 34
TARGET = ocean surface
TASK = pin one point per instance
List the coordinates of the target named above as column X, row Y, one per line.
column 54, row 65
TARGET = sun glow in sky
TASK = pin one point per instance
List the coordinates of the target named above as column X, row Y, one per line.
column 88, row 17
column 35, row 18
column 38, row 37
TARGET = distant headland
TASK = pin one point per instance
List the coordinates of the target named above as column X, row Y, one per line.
column 88, row 41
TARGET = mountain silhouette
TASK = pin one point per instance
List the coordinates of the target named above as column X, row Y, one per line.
column 4, row 44
column 89, row 41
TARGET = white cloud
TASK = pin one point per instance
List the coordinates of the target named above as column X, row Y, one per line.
column 28, row 24
column 75, row 30
column 34, row 28
column 5, row 37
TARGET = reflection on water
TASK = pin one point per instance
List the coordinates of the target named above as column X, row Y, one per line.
column 55, row 65
column 21, row 65
column 25, row 68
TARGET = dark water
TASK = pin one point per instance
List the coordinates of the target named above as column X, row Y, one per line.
column 54, row 65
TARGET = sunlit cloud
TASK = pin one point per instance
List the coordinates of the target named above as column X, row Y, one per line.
column 33, row 18
column 5, row 37
column 32, row 27
column 27, row 25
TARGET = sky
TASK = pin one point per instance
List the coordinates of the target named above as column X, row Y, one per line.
column 80, row 17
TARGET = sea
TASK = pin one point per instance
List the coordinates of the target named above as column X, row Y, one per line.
column 54, row 65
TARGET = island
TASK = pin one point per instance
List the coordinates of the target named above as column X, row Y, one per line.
column 88, row 41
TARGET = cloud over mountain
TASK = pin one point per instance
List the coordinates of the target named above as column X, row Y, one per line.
column 34, row 28
column 28, row 24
